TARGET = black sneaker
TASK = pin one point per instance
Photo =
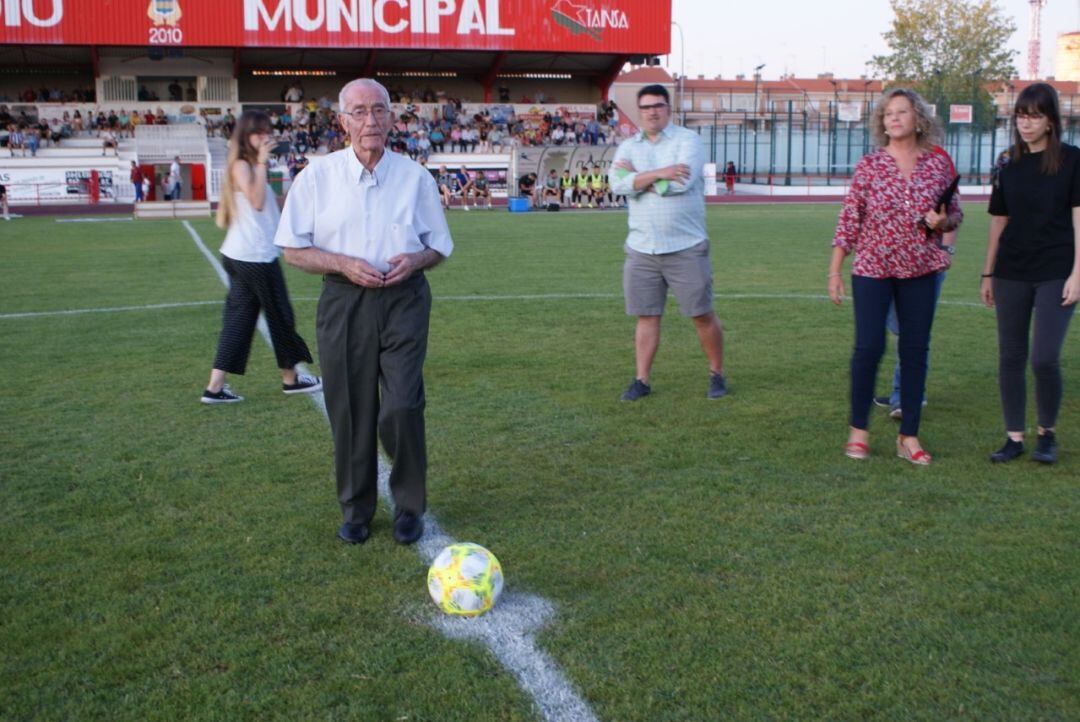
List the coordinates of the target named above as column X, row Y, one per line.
column 637, row 389
column 884, row 401
column 717, row 386
column 1008, row 452
column 225, row 396
column 1046, row 448
column 304, row 385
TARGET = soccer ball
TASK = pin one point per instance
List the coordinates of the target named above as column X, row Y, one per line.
column 465, row 579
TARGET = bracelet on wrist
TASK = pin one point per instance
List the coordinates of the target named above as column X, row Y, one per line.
column 988, row 275
column 834, row 274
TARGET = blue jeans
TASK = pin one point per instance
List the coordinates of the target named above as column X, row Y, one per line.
column 915, row 299
column 894, row 328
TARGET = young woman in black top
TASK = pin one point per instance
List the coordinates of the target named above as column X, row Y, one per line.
column 1033, row 265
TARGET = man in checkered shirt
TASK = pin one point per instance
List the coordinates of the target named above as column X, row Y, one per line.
column 659, row 170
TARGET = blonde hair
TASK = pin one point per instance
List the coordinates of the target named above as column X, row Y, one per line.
column 927, row 129
column 248, row 124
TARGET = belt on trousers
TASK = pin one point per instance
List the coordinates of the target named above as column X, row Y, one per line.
column 344, row 281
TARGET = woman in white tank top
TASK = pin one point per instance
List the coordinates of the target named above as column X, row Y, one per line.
column 249, row 210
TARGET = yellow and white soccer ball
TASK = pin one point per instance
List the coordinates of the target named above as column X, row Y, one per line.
column 465, row 579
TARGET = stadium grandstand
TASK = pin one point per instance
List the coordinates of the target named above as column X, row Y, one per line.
column 506, row 88
column 471, row 81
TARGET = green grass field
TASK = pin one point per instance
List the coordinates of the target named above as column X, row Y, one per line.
column 706, row 560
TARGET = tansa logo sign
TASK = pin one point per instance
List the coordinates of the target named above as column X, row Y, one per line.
column 580, row 19
column 463, row 17
column 16, row 13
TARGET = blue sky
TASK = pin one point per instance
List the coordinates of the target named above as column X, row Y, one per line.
column 727, row 37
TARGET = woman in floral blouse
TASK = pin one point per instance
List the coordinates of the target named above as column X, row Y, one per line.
column 891, row 223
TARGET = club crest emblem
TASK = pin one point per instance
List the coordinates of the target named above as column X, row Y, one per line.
column 164, row 12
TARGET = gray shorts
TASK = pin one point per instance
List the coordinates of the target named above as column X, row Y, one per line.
column 688, row 273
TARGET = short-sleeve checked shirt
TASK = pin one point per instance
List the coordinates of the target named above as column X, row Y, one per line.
column 881, row 213
column 668, row 216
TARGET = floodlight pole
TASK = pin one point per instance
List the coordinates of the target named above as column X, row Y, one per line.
column 757, row 81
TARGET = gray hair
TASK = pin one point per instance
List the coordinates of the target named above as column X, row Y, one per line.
column 362, row 83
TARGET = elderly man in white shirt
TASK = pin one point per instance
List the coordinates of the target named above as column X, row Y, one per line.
column 370, row 221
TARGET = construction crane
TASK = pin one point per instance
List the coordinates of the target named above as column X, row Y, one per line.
column 1034, row 39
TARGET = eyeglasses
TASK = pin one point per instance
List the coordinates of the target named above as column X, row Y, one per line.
column 1030, row 116
column 359, row 113
column 654, row 106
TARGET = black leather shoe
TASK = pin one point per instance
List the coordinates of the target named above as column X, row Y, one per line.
column 408, row 527
column 353, row 533
column 1045, row 448
column 1008, row 452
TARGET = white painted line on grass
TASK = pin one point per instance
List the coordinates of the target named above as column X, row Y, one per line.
column 123, row 219
column 519, row 297
column 508, row 630
column 113, row 309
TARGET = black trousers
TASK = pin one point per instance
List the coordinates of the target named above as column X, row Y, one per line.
column 1014, row 302
column 372, row 346
column 255, row 287
column 915, row 299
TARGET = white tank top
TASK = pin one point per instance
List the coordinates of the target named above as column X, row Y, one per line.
column 251, row 233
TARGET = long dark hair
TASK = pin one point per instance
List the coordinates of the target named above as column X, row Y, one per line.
column 240, row 148
column 1039, row 98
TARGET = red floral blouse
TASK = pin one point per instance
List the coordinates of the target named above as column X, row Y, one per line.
column 881, row 213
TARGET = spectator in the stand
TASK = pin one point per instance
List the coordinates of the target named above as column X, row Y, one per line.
column 495, row 137
column 592, row 132
column 176, row 92
column 455, row 139
column 479, row 189
column 137, row 181
column 4, row 202
column 160, row 118
column 485, row 142
column 16, row 140
column 437, row 139
column 109, row 142
column 149, row 118
column 423, row 146
column 228, row 124
column 124, row 123
column 463, row 178
column 558, row 135
column 411, row 146
column 77, row 122
column 446, row 183
column 143, row 94
column 190, row 94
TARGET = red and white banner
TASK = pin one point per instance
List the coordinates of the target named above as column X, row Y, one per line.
column 960, row 113
column 572, row 26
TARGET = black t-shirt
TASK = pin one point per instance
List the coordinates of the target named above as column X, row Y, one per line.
column 1037, row 243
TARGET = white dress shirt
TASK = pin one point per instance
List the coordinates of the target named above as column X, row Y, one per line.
column 337, row 205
